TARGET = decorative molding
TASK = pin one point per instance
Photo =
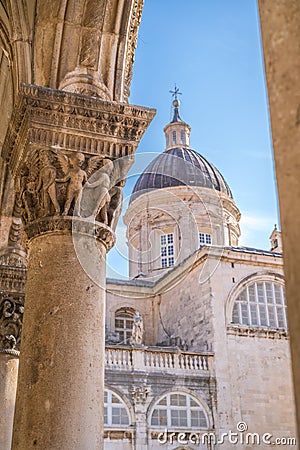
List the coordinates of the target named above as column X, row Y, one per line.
column 11, row 319
column 78, row 225
column 58, row 119
column 13, row 269
column 136, row 16
column 259, row 332
column 118, row 434
column 59, row 143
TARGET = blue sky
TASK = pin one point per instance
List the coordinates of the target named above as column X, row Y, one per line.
column 212, row 51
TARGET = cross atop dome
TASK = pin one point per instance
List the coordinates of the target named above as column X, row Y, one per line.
column 176, row 104
column 175, row 92
column 177, row 132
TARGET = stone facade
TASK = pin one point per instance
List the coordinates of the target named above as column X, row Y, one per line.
column 196, row 341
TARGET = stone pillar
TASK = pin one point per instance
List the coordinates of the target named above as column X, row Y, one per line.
column 9, row 362
column 139, row 394
column 280, row 26
column 12, row 287
column 68, row 154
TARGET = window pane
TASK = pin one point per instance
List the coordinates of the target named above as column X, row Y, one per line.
column 235, row 313
column 177, row 400
column 171, row 261
column 164, row 262
column 272, row 319
column 278, row 297
column 163, row 401
column 251, row 292
column 114, row 399
column 178, row 418
column 281, row 318
column 263, row 315
column 159, row 417
column 269, row 292
column 245, row 314
column 164, row 251
column 170, row 238
column 260, row 292
column 198, row 419
column 170, row 250
column 253, row 310
column 163, row 239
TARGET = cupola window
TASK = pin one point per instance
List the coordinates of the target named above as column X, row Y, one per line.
column 182, row 137
column 174, row 137
column 205, row 239
column 167, row 250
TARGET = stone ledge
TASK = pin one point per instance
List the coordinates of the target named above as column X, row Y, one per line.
column 260, row 332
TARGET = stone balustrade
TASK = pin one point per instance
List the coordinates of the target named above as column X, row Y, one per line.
column 152, row 360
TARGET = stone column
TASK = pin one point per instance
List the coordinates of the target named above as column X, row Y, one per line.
column 9, row 362
column 280, row 26
column 68, row 154
column 12, row 286
column 139, row 394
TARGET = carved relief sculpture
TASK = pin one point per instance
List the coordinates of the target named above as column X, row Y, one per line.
column 11, row 316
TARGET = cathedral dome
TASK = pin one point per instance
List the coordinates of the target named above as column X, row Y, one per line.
column 180, row 166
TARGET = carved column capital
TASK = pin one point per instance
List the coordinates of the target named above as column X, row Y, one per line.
column 139, row 394
column 59, row 142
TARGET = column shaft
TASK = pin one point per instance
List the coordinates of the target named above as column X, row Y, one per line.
column 60, row 389
column 8, row 386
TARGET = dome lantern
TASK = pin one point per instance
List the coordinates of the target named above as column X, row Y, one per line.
column 177, row 132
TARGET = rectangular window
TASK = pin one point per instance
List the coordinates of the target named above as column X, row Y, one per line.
column 182, row 137
column 167, row 250
column 205, row 239
column 174, row 137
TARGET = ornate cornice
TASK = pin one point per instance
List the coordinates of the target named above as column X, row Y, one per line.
column 59, row 143
column 52, row 118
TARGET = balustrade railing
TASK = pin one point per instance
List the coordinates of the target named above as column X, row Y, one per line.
column 150, row 359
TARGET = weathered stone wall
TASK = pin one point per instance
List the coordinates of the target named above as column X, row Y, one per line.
column 253, row 372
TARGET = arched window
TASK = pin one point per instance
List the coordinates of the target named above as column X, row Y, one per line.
column 177, row 410
column 261, row 303
column 115, row 411
column 124, row 323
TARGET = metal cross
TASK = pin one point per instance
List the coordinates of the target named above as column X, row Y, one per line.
column 175, row 93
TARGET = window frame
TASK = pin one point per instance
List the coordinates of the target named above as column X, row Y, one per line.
column 108, row 405
column 253, row 306
column 167, row 250
column 125, row 314
column 207, row 238
column 169, row 408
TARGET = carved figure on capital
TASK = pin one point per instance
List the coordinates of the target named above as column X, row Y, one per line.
column 96, row 197
column 115, row 204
